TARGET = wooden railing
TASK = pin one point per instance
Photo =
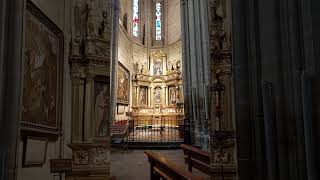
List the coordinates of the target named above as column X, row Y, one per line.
column 199, row 159
column 161, row 167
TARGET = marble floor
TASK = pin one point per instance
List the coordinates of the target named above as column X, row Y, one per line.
column 133, row 164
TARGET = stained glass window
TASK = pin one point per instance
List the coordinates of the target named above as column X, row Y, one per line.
column 158, row 21
column 135, row 18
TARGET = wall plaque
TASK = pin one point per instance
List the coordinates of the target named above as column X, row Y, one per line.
column 60, row 165
column 35, row 151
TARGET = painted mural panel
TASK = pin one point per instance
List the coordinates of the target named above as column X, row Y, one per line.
column 123, row 85
column 42, row 67
column 101, row 107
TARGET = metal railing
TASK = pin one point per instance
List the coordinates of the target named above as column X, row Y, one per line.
column 155, row 129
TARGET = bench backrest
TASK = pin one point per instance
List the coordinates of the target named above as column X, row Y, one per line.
column 166, row 169
column 199, row 159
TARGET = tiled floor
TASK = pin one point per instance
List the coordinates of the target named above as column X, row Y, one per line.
column 133, row 164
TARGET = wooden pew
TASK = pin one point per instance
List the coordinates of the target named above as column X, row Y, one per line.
column 199, row 159
column 161, row 167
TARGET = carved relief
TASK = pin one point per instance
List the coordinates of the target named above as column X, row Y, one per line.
column 221, row 157
column 99, row 156
column 91, row 20
column 91, row 156
column 80, row 158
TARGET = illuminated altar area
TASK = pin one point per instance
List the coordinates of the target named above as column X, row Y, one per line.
column 157, row 97
column 149, row 84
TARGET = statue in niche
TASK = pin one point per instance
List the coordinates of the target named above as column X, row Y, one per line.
column 173, row 95
column 91, row 27
column 101, row 108
column 104, row 25
column 143, row 96
column 157, row 95
column 217, row 7
column 77, row 18
column 178, row 64
column 157, row 70
column 136, row 67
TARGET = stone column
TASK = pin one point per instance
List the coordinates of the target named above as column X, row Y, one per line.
column 89, row 130
column 115, row 5
column 152, row 96
column 11, row 26
column 186, row 75
column 149, row 96
column 77, row 109
column 138, row 95
column 166, row 96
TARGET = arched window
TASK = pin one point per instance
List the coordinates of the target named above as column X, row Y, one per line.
column 125, row 21
column 158, row 22
column 135, row 18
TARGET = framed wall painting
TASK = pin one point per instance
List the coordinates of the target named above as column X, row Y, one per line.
column 34, row 151
column 42, row 77
column 101, row 106
column 123, row 90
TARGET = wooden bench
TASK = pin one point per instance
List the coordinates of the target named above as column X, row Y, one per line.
column 161, row 167
column 199, row 159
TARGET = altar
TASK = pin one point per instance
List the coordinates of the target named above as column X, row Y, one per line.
column 157, row 97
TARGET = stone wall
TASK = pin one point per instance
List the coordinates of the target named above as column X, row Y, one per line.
column 174, row 21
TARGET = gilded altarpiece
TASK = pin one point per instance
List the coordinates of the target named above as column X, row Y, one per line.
column 157, row 98
column 90, row 73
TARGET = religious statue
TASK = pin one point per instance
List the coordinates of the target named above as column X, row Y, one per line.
column 105, row 25
column 91, row 26
column 157, row 97
column 143, row 97
column 157, row 67
column 101, row 111
column 217, row 8
column 173, row 96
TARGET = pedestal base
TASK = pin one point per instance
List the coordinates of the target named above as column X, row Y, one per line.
column 91, row 161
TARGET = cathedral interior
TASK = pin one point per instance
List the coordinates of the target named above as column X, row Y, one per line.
column 159, row 89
